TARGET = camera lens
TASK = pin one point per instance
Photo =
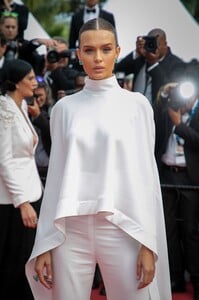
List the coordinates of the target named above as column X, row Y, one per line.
column 53, row 56
column 150, row 43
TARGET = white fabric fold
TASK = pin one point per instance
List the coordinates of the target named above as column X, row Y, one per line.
column 102, row 160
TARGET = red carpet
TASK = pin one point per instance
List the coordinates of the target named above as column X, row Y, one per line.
column 184, row 296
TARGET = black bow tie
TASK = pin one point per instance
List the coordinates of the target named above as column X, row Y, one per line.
column 91, row 11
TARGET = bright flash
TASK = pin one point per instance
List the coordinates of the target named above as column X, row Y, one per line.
column 187, row 89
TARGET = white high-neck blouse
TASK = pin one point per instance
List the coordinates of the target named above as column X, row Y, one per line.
column 102, row 160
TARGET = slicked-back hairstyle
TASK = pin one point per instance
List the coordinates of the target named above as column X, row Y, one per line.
column 98, row 24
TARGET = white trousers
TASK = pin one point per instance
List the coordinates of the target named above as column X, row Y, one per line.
column 92, row 239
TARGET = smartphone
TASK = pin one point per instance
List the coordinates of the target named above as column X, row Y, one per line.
column 30, row 100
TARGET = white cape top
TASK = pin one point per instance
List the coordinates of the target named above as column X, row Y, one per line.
column 102, row 160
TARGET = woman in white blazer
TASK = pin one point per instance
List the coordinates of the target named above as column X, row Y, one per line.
column 20, row 186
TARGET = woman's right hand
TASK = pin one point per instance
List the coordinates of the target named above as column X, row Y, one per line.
column 43, row 269
column 28, row 215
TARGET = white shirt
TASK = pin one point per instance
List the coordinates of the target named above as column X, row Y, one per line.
column 91, row 15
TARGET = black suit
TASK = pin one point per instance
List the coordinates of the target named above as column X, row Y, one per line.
column 77, row 22
column 159, row 75
column 180, row 195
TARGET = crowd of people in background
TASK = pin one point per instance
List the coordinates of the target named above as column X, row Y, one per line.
column 151, row 69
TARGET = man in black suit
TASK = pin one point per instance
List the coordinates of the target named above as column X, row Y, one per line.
column 177, row 154
column 152, row 63
column 90, row 11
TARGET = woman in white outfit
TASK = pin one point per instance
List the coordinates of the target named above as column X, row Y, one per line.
column 20, row 185
column 102, row 201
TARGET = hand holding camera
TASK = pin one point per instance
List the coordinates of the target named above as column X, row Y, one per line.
column 140, row 46
column 178, row 95
column 147, row 46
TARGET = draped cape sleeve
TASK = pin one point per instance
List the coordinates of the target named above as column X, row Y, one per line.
column 102, row 159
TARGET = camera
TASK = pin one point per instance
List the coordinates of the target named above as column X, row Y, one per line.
column 150, row 43
column 54, row 56
column 179, row 95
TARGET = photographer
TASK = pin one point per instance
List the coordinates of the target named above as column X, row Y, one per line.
column 60, row 73
column 39, row 107
column 20, row 48
column 177, row 153
column 152, row 63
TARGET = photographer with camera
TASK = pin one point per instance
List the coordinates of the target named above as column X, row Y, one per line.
column 60, row 72
column 151, row 63
column 177, row 153
column 21, row 48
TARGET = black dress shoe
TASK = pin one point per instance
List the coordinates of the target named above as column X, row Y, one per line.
column 103, row 291
column 178, row 286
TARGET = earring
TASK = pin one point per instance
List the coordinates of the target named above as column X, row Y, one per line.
column 115, row 60
column 80, row 63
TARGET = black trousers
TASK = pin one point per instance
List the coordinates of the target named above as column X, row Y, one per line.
column 16, row 242
column 181, row 209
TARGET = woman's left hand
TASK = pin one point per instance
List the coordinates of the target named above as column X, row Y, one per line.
column 145, row 267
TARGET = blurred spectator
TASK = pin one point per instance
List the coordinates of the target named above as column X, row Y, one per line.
column 11, row 8
column 177, row 152
column 79, row 84
column 60, row 73
column 20, row 48
column 90, row 11
column 152, row 63
column 39, row 110
column 80, row 81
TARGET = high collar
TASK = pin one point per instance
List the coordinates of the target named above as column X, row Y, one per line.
column 101, row 85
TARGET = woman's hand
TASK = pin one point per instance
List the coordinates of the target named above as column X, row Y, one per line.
column 43, row 268
column 34, row 110
column 145, row 267
column 28, row 215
